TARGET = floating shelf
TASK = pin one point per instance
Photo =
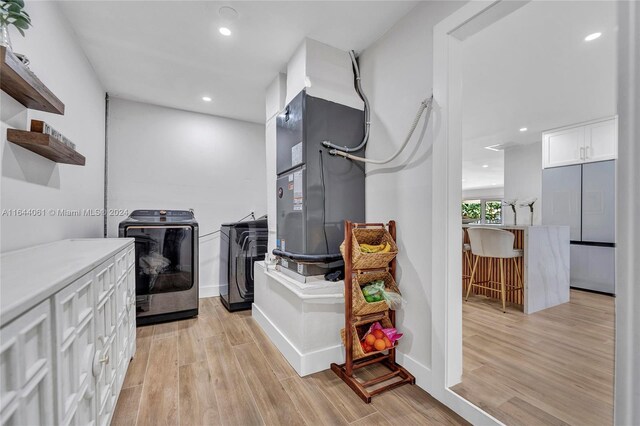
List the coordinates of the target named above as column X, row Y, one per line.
column 45, row 145
column 22, row 84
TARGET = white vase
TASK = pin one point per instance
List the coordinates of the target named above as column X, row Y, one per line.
column 5, row 40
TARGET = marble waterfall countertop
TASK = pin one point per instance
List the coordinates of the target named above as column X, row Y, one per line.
column 30, row 275
column 546, row 264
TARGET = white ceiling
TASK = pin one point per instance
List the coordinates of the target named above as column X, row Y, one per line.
column 171, row 53
column 533, row 69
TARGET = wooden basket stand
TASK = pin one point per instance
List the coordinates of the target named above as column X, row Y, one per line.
column 361, row 268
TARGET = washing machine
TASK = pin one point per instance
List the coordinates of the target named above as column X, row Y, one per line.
column 166, row 250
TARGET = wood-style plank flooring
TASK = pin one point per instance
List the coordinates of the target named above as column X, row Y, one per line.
column 221, row 369
column 554, row 367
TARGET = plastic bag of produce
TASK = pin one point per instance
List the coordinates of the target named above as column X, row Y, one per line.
column 378, row 338
column 394, row 300
column 374, row 292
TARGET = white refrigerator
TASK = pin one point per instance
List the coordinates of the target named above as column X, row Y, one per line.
column 583, row 197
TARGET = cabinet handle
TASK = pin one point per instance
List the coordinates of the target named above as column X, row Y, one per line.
column 104, row 360
column 582, row 153
column 586, row 152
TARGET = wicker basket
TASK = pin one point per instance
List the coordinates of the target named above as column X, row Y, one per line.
column 358, row 332
column 373, row 236
column 360, row 305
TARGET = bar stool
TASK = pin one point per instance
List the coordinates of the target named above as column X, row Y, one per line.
column 494, row 244
column 466, row 252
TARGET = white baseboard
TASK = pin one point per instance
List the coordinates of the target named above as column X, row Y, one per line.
column 212, row 290
column 303, row 363
column 421, row 372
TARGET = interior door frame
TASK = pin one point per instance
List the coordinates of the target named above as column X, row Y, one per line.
column 447, row 193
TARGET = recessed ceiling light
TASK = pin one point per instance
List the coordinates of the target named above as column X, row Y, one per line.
column 206, row 98
column 523, row 129
column 484, row 166
column 494, row 184
column 224, row 31
column 592, row 37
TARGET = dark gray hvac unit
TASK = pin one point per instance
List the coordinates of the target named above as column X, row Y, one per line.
column 316, row 191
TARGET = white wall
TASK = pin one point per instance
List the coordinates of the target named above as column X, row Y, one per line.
column 627, row 378
column 522, row 181
column 275, row 98
column 496, row 192
column 397, row 74
column 163, row 158
column 30, row 181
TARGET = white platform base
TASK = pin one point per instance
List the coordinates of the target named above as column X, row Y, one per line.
column 303, row 363
column 303, row 320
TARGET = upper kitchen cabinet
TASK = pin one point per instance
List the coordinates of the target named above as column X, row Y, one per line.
column 582, row 143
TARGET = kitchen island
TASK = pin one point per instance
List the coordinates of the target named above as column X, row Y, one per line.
column 544, row 265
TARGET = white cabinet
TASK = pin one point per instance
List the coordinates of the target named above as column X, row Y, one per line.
column 64, row 360
column 582, row 143
column 26, row 374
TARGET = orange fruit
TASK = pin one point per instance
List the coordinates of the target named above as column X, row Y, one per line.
column 370, row 339
column 387, row 342
column 378, row 333
column 379, row 345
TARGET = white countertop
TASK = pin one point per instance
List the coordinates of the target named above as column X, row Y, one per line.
column 502, row 226
column 29, row 276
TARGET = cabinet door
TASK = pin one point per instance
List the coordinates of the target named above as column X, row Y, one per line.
column 75, row 348
column 593, row 268
column 105, row 359
column 26, row 385
column 563, row 147
column 561, row 198
column 601, row 140
column 598, row 202
column 131, row 310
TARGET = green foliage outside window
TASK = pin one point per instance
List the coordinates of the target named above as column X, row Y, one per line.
column 493, row 212
column 471, row 209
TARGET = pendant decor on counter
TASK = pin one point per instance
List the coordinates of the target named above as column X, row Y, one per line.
column 529, row 203
column 512, row 203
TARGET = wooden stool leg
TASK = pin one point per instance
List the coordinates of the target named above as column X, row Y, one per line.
column 515, row 261
column 473, row 273
column 503, row 287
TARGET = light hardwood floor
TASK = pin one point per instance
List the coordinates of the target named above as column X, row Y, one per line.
column 554, row 367
column 221, row 369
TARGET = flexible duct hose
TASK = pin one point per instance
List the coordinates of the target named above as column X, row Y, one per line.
column 367, row 113
column 425, row 105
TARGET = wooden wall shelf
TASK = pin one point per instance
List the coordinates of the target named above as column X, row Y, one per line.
column 45, row 145
column 22, row 84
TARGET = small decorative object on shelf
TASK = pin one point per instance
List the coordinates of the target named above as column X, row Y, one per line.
column 529, row 203
column 42, row 127
column 512, row 203
column 12, row 13
column 369, row 333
